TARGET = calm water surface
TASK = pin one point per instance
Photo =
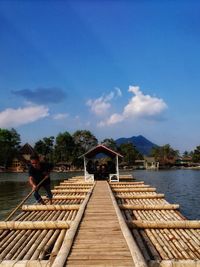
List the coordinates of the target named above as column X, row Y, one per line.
column 179, row 186
column 14, row 187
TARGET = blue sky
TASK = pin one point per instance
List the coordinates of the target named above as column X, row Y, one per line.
column 116, row 68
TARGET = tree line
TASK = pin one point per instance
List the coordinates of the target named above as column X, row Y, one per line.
column 68, row 148
column 64, row 148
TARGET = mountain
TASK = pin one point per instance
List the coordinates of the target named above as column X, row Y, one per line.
column 143, row 145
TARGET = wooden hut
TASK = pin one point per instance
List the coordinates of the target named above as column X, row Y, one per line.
column 111, row 171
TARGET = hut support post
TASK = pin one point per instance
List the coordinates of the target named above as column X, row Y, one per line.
column 117, row 167
column 114, row 177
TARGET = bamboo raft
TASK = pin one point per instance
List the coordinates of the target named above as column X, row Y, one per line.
column 163, row 235
column 100, row 224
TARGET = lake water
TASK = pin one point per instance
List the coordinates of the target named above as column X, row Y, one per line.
column 179, row 186
column 14, row 187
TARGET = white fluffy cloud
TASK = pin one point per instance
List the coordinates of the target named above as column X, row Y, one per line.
column 139, row 106
column 101, row 105
column 16, row 117
column 60, row 116
column 98, row 106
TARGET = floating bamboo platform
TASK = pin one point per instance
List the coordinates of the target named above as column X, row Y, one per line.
column 100, row 224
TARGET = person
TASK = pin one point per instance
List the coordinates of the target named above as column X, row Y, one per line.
column 90, row 167
column 37, row 172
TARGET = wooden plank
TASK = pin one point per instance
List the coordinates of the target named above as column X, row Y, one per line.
column 99, row 263
column 70, row 235
column 99, row 238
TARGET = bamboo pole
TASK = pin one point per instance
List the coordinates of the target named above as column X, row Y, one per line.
column 7, row 244
column 164, row 224
column 137, row 256
column 22, row 245
column 25, row 252
column 130, row 186
column 138, row 238
column 140, row 189
column 14, row 247
column 175, row 263
column 22, row 202
column 34, row 245
column 50, row 207
column 69, row 237
column 46, row 248
column 41, row 245
column 8, row 239
column 177, row 241
column 57, row 245
column 39, row 238
column 193, row 234
column 4, row 236
column 47, row 243
column 72, row 187
column 140, row 196
column 126, row 183
column 150, row 246
column 156, row 242
column 35, row 225
column 77, row 182
column 62, row 197
column 25, row 263
column 69, row 190
column 164, row 243
column 169, row 237
column 13, row 244
column 152, row 207
column 193, row 250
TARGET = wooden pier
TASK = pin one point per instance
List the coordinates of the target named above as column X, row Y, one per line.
column 101, row 224
column 99, row 240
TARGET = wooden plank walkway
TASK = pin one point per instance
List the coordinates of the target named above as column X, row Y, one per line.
column 99, row 240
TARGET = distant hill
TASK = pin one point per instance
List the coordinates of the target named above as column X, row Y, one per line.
column 143, row 145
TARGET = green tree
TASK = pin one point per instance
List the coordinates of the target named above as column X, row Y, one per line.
column 130, row 153
column 110, row 143
column 9, row 145
column 186, row 154
column 85, row 140
column 196, row 155
column 45, row 147
column 166, row 155
column 64, row 147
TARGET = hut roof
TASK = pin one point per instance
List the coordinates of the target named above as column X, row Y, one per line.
column 27, row 149
column 101, row 149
